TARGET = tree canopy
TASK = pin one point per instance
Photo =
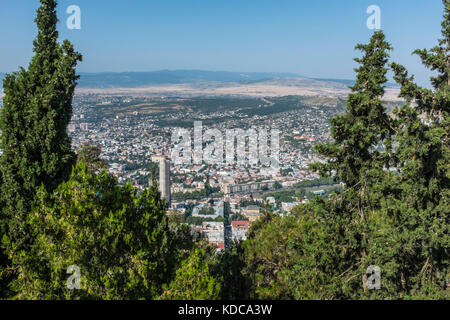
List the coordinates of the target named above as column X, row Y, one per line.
column 119, row 240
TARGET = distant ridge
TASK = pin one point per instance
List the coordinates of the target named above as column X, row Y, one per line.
column 343, row 81
column 104, row 80
column 352, row 82
column 140, row 79
column 111, row 80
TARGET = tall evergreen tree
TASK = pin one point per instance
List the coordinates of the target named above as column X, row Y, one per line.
column 421, row 211
column 36, row 111
column 353, row 154
column 37, row 108
column 359, row 155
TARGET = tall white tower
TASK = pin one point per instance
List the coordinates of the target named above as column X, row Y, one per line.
column 164, row 180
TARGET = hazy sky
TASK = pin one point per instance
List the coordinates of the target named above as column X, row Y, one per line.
column 311, row 37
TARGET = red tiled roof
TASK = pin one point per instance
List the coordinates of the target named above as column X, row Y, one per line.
column 240, row 224
column 220, row 245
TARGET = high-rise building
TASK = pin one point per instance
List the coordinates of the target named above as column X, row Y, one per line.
column 164, row 180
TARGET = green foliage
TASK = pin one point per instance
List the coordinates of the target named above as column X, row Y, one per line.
column 282, row 196
column 315, row 183
column 265, row 218
column 35, row 114
column 184, row 243
column 199, row 220
column 353, row 154
column 120, row 241
column 250, row 202
column 196, row 195
column 206, row 211
column 5, row 278
column 37, row 108
column 281, row 263
column 238, row 217
column 89, row 154
column 235, row 285
column 419, row 203
column 193, row 280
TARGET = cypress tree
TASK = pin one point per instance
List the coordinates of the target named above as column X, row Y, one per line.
column 354, row 154
column 421, row 211
column 37, row 108
column 358, row 157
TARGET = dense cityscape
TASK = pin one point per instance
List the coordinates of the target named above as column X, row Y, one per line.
column 134, row 133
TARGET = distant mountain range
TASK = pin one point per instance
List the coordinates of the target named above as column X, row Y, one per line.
column 107, row 80
column 141, row 79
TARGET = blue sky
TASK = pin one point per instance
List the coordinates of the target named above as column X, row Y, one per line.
column 311, row 37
